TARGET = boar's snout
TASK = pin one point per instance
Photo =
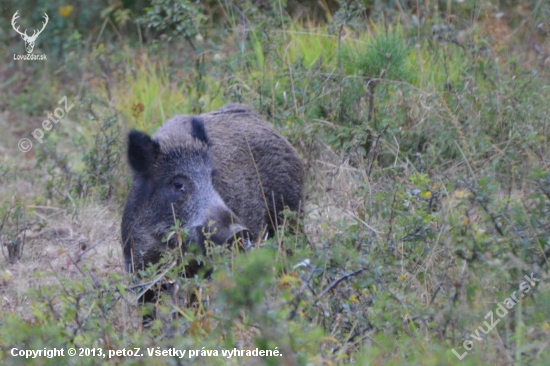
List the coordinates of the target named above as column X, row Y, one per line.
column 222, row 227
column 239, row 235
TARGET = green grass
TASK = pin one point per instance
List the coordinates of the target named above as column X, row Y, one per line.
column 428, row 200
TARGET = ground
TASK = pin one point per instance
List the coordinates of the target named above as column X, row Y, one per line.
column 425, row 133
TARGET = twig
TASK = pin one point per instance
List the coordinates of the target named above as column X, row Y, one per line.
column 485, row 207
column 374, row 231
column 94, row 279
column 371, row 84
column 376, row 151
column 87, row 250
column 435, row 293
column 159, row 278
column 306, row 282
column 391, row 216
column 338, row 280
column 49, row 302
column 298, row 296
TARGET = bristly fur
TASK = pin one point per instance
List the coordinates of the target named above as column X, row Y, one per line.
column 197, row 130
column 142, row 152
column 251, row 158
column 258, row 173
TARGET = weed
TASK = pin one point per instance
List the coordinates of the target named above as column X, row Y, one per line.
column 425, row 132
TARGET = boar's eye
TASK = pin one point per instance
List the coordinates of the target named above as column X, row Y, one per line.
column 214, row 173
column 179, row 184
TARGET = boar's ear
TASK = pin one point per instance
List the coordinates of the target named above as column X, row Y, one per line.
column 197, row 131
column 142, row 152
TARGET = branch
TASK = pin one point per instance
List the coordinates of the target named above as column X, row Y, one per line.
column 299, row 293
column 337, row 281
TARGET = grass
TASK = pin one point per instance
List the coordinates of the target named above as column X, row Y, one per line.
column 428, row 200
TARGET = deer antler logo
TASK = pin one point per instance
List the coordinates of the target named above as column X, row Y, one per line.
column 29, row 40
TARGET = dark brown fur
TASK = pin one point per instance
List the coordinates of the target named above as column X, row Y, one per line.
column 258, row 173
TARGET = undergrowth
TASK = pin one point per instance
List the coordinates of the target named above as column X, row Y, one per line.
column 428, row 193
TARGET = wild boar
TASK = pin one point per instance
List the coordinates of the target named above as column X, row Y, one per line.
column 221, row 174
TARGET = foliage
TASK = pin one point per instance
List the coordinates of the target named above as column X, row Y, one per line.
column 425, row 131
column 174, row 18
column 385, row 56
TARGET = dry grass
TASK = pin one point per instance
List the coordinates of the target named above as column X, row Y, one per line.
column 410, row 243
